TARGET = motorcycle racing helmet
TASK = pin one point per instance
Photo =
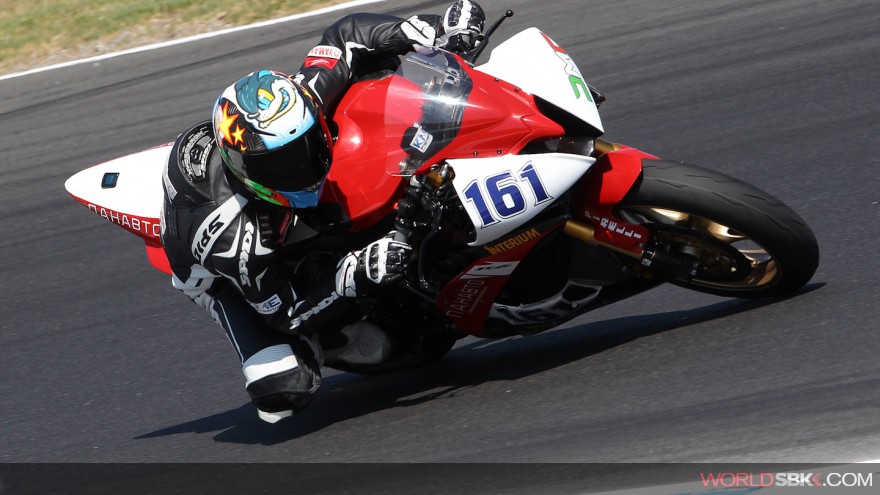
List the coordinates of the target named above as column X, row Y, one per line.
column 273, row 138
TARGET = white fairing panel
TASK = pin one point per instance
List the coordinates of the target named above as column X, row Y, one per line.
column 502, row 193
column 135, row 190
column 536, row 64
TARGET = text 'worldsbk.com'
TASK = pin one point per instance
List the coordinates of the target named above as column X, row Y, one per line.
column 764, row 479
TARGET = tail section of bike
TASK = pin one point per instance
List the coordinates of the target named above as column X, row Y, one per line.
column 127, row 192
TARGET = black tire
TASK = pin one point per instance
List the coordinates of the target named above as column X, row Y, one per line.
column 749, row 243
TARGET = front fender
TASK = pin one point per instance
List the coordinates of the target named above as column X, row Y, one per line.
column 600, row 191
column 611, row 178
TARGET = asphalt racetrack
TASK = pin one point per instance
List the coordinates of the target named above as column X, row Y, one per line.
column 104, row 362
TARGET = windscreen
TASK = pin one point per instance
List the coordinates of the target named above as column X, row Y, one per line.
column 438, row 87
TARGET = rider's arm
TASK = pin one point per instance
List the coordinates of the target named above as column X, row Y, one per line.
column 354, row 44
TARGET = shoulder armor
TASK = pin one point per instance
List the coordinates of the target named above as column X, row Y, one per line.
column 190, row 167
column 194, row 150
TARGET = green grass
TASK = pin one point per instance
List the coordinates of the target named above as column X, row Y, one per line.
column 32, row 31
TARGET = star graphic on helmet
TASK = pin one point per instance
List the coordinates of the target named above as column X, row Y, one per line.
column 224, row 123
column 237, row 137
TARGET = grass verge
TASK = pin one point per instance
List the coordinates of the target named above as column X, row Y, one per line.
column 36, row 33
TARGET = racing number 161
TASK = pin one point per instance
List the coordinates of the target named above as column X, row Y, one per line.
column 504, row 194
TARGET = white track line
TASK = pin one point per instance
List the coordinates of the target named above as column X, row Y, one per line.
column 155, row 46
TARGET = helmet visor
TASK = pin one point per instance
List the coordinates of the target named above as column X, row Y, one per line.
column 299, row 165
column 302, row 199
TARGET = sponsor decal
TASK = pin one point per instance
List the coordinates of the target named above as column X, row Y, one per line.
column 323, row 56
column 325, row 51
column 268, row 306
column 246, row 242
column 492, row 269
column 138, row 225
column 321, row 306
column 517, row 240
column 206, row 238
column 326, row 63
column 467, row 298
column 422, row 140
column 214, row 225
column 617, row 227
column 571, row 70
column 478, row 280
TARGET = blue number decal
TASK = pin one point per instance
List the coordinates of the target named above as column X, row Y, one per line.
column 530, row 175
column 505, row 194
column 475, row 196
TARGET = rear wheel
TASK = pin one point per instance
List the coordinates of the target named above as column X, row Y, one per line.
column 742, row 241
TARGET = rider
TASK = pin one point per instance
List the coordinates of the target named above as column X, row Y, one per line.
column 240, row 188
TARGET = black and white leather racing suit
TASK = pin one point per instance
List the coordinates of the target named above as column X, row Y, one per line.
column 224, row 244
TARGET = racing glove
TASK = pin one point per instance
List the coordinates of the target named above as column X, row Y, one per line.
column 462, row 25
column 382, row 262
column 420, row 32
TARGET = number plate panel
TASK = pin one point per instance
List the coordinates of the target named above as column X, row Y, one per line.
column 502, row 193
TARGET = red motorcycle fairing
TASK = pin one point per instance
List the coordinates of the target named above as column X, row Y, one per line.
column 500, row 120
column 467, row 299
column 376, row 119
column 379, row 123
column 147, row 228
column 357, row 179
column 602, row 189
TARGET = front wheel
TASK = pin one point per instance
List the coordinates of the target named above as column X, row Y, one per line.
column 742, row 241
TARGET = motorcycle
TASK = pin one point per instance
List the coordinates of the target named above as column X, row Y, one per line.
column 520, row 215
